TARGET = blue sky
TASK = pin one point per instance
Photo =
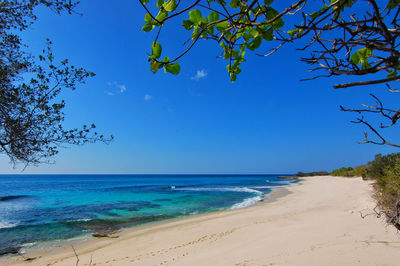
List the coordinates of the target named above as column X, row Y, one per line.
column 197, row 122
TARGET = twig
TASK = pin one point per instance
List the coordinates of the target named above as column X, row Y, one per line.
column 76, row 255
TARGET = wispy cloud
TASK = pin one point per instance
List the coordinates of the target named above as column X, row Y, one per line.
column 148, row 97
column 115, row 87
column 199, row 75
column 121, row 87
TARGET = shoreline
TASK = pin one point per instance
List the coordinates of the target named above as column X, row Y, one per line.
column 86, row 241
column 286, row 224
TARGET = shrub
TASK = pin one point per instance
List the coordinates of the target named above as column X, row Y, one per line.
column 344, row 171
column 386, row 171
column 360, row 171
column 317, row 173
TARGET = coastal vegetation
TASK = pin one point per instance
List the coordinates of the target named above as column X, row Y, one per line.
column 385, row 171
column 346, row 38
column 317, row 173
column 350, row 171
column 301, row 174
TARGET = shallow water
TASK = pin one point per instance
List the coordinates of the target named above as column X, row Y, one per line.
column 35, row 209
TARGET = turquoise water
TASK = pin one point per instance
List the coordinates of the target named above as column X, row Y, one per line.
column 37, row 209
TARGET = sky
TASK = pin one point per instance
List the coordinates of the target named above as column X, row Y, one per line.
column 197, row 122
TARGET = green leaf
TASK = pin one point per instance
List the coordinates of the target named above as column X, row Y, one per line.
column 277, row 24
column 246, row 37
column 147, row 18
column 254, row 44
column 314, row 14
column 172, row 68
column 156, row 50
column 147, row 27
column 268, row 35
column 234, row 3
column 227, row 54
column 203, row 22
column 196, row 32
column 222, row 25
column 195, row 16
column 271, row 13
column 161, row 16
column 365, row 53
column 210, row 30
column 154, row 66
column 362, row 57
column 325, row 7
column 160, row 3
column 213, row 16
column 392, row 74
column 365, row 65
column 144, row 1
column 170, row 5
column 268, row 2
column 253, row 32
column 356, row 58
column 393, row 4
column 238, row 70
column 187, row 24
column 233, row 76
column 223, row 45
column 235, row 54
column 293, row 32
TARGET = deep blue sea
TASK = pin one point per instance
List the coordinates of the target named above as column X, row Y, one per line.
column 37, row 209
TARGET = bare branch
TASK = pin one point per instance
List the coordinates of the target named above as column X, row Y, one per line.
column 363, row 83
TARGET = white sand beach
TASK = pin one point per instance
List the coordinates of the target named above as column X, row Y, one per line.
column 318, row 223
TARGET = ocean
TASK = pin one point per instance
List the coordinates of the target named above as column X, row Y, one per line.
column 43, row 210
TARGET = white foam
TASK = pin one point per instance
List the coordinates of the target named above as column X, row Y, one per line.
column 263, row 187
column 7, row 224
column 81, row 220
column 247, row 202
column 28, row 245
column 234, row 189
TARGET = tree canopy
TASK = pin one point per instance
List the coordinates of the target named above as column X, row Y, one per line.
column 31, row 115
column 345, row 38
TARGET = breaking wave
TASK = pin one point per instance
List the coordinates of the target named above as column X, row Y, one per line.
column 231, row 189
column 247, row 202
column 7, row 224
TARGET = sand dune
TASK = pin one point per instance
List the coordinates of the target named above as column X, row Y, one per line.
column 318, row 223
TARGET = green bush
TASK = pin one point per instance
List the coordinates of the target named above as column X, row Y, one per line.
column 360, row 171
column 350, row 172
column 344, row 171
column 386, row 171
column 375, row 169
column 318, row 173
